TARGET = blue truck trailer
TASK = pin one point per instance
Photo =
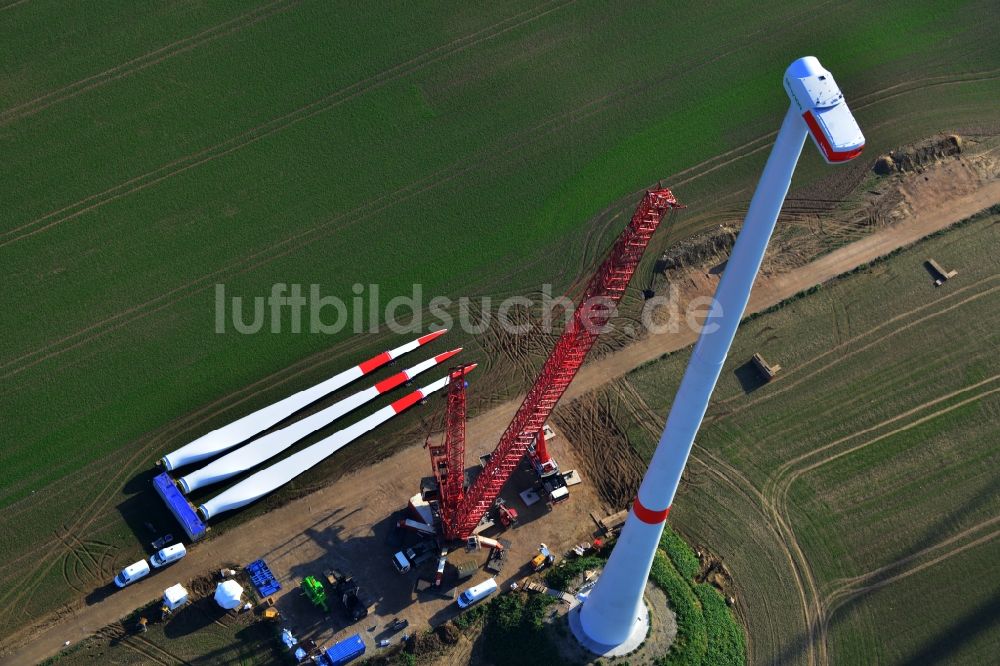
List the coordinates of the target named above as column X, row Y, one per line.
column 178, row 505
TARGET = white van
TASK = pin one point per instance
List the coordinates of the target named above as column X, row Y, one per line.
column 132, row 573
column 477, row 593
column 168, row 555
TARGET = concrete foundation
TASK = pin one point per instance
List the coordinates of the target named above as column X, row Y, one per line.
column 640, row 628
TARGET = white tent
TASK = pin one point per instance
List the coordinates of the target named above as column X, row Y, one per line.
column 175, row 596
column 228, row 593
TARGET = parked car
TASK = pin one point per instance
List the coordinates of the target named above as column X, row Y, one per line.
column 168, row 555
column 132, row 573
column 477, row 593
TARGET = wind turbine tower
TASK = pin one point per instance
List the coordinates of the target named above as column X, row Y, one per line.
column 613, row 619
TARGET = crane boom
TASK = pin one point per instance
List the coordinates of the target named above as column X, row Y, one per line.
column 596, row 306
column 448, row 458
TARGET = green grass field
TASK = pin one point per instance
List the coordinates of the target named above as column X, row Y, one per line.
column 862, row 478
column 154, row 150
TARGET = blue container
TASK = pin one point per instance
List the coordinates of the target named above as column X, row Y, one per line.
column 350, row 648
column 262, row 578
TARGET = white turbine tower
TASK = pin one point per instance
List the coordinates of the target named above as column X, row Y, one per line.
column 613, row 619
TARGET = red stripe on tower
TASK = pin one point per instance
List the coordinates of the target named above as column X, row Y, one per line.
column 649, row 516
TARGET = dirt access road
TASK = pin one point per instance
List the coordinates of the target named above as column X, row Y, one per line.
column 295, row 536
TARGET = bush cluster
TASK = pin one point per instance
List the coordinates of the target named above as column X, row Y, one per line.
column 561, row 576
column 515, row 630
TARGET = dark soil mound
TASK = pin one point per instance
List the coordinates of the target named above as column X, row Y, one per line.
column 913, row 158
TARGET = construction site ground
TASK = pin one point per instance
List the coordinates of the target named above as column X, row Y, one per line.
column 360, row 538
column 346, row 523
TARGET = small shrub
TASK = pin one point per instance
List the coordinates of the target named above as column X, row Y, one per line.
column 726, row 643
column 560, row 576
column 680, row 553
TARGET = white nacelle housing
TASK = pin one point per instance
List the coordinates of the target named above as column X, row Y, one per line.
column 816, row 94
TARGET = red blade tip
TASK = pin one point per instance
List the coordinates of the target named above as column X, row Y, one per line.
column 423, row 340
column 440, row 358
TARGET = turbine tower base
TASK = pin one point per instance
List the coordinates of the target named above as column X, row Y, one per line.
column 640, row 629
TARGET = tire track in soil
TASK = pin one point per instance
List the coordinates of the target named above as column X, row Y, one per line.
column 892, row 320
column 850, row 585
column 854, row 352
column 778, row 492
column 601, row 446
column 789, row 465
column 68, row 576
column 277, row 124
column 78, row 557
column 727, row 474
column 860, row 397
column 12, row 5
column 782, row 489
column 831, row 611
column 139, row 63
column 243, row 268
column 132, row 643
column 96, row 573
column 170, row 655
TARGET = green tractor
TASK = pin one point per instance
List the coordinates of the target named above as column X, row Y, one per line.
column 315, row 592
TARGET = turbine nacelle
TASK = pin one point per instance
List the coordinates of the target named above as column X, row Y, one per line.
column 817, row 96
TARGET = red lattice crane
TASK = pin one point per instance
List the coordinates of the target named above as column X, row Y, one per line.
column 448, row 458
column 462, row 511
